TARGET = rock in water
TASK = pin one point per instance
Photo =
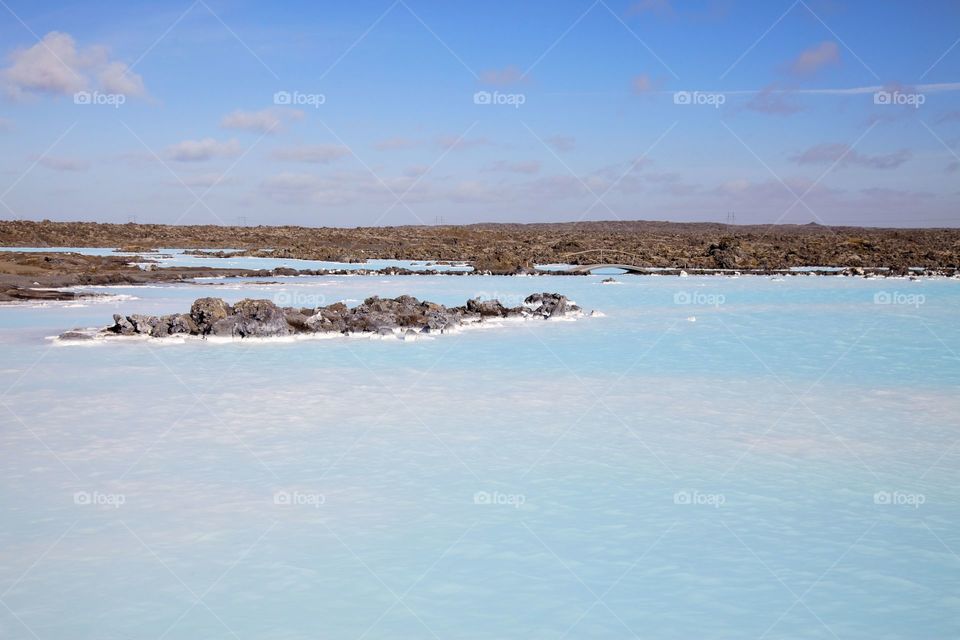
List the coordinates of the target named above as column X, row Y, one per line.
column 549, row 305
column 487, row 308
column 205, row 312
column 253, row 318
column 404, row 316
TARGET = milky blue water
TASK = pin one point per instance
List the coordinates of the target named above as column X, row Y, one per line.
column 179, row 258
column 712, row 458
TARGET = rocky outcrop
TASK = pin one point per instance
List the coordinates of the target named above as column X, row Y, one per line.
column 403, row 316
column 252, row 318
column 206, row 312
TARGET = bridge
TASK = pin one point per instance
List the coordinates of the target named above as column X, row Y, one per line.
column 587, row 268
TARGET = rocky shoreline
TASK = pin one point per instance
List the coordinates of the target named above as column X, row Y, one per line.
column 505, row 248
column 402, row 317
column 43, row 276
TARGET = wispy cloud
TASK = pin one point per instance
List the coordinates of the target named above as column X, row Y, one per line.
column 507, row 166
column 264, row 121
column 395, row 144
column 830, row 153
column 562, row 143
column 63, row 164
column 315, row 153
column 202, row 150
column 772, row 101
column 817, row 57
column 204, row 180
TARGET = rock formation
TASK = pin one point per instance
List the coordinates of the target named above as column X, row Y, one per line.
column 262, row 318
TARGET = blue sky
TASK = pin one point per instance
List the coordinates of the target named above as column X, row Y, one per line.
column 407, row 111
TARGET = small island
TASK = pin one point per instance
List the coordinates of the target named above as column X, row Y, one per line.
column 402, row 317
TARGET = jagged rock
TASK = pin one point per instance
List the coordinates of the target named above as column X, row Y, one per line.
column 486, row 308
column 404, row 316
column 253, row 318
column 549, row 305
column 143, row 324
column 122, row 326
column 297, row 319
column 75, row 335
column 177, row 323
column 207, row 311
column 727, row 254
column 329, row 318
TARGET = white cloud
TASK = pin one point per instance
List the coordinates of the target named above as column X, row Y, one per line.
column 200, row 150
column 63, row 164
column 265, row 121
column 523, row 166
column 562, row 143
column 292, row 182
column 316, row 153
column 205, row 180
column 815, row 58
column 116, row 77
column 55, row 66
column 395, row 144
column 843, row 155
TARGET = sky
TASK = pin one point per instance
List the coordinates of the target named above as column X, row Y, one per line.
column 389, row 112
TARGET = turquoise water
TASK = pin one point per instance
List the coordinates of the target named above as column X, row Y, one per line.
column 711, row 458
column 178, row 258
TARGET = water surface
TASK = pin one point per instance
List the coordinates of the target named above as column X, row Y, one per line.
column 714, row 457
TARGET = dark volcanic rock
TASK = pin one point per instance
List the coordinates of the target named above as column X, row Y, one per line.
column 178, row 323
column 122, row 326
column 143, row 324
column 549, row 305
column 207, row 311
column 487, row 308
column 75, row 335
column 404, row 316
column 253, row 318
